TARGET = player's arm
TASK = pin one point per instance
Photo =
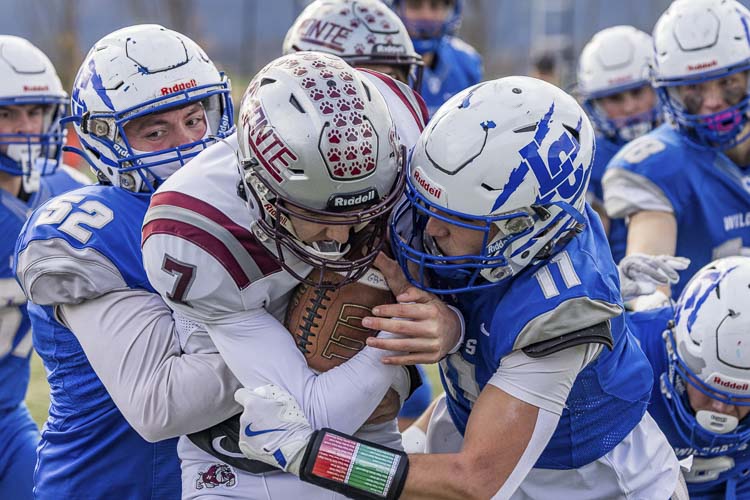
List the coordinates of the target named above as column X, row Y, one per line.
column 131, row 341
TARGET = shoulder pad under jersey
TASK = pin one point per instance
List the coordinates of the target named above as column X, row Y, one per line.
column 81, row 245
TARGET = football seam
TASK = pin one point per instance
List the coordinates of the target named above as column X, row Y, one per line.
column 308, row 320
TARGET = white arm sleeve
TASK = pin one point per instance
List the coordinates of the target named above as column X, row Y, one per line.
column 546, row 423
column 130, row 340
column 260, row 351
column 543, row 382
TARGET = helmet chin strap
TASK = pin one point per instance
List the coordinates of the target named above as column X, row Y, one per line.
column 718, row 423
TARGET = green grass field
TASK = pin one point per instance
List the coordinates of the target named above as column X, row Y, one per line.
column 37, row 397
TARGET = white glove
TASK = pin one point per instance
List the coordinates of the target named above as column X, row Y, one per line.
column 273, row 428
column 640, row 274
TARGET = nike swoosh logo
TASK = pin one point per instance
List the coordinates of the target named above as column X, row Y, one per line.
column 216, row 444
column 250, row 433
column 483, row 330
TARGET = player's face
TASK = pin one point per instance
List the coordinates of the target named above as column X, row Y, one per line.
column 395, row 72
column 310, row 232
column 713, row 96
column 167, row 130
column 454, row 240
column 23, row 119
column 700, row 401
column 628, row 103
column 427, row 10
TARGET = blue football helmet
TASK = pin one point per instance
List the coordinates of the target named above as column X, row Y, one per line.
column 28, row 78
column 510, row 158
column 137, row 71
column 709, row 348
column 426, row 35
column 696, row 41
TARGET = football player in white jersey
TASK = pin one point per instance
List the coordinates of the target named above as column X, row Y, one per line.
column 32, row 101
column 368, row 35
column 320, row 169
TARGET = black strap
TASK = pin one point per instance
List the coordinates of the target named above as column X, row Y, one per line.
column 597, row 334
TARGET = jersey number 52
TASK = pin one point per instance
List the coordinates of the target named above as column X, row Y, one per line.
column 91, row 213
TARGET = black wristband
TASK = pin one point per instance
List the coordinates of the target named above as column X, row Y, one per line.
column 353, row 467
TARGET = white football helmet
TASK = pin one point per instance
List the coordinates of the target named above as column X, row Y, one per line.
column 136, row 71
column 317, row 142
column 28, row 77
column 709, row 348
column 358, row 31
column 696, row 41
column 513, row 153
column 615, row 60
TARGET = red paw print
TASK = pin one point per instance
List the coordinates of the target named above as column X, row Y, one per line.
column 334, row 155
column 355, row 118
column 339, row 120
column 370, row 38
column 318, row 64
column 343, row 105
column 326, row 108
column 366, row 130
column 359, row 49
column 386, row 25
column 316, row 94
column 358, row 103
column 370, row 18
column 350, row 153
column 351, row 134
column 338, row 172
column 365, row 148
column 356, row 168
column 346, row 76
column 334, row 137
column 326, row 74
column 354, row 23
column 350, row 89
column 369, row 165
column 308, row 82
column 333, row 92
column 300, row 71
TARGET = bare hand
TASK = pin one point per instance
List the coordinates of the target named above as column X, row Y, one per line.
column 386, row 410
column 431, row 329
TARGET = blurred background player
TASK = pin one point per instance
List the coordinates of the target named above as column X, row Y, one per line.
column 548, row 392
column 376, row 39
column 146, row 100
column 450, row 64
column 699, row 352
column 230, row 258
column 32, row 101
column 614, row 87
column 683, row 187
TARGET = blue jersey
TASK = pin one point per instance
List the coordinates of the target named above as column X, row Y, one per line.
column 718, row 478
column 618, row 232
column 88, row 449
column 608, row 398
column 457, row 66
column 707, row 193
column 15, row 339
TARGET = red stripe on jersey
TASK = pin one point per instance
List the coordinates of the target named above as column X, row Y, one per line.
column 204, row 240
column 391, row 84
column 262, row 257
column 422, row 107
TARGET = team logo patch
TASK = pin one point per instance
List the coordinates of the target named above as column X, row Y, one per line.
column 217, row 475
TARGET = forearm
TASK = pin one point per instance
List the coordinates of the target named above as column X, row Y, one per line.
column 444, row 476
column 652, row 233
column 260, row 351
column 130, row 341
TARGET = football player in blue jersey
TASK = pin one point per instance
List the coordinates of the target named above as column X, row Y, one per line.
column 614, row 87
column 699, row 352
column 548, row 392
column 450, row 64
column 684, row 187
column 32, row 101
column 146, row 100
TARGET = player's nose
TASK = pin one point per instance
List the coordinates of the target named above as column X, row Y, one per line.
column 436, row 227
column 338, row 233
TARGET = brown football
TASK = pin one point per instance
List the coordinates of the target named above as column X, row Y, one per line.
column 327, row 324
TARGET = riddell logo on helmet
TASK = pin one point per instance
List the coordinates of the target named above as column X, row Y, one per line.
column 701, row 66
column 620, row 80
column 35, row 88
column 728, row 384
column 434, row 191
column 340, row 201
column 388, row 49
column 179, row 86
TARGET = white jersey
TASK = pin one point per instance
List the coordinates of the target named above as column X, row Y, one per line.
column 202, row 255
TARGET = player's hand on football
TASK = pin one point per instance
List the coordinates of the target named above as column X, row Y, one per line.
column 430, row 329
column 386, row 410
column 640, row 274
column 273, row 428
